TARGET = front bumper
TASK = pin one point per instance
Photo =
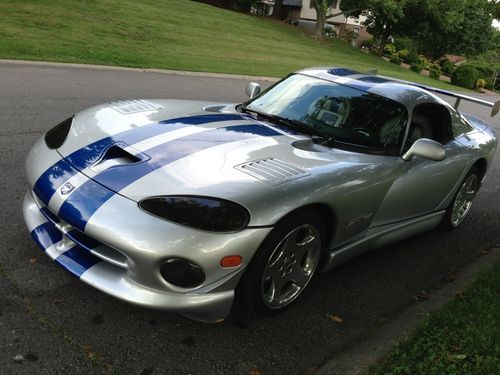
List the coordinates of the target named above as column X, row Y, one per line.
column 131, row 273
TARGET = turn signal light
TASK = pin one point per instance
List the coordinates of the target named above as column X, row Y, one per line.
column 231, row 261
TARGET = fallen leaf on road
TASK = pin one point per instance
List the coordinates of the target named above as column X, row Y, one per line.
column 33, row 260
column 335, row 318
column 255, row 371
column 422, row 296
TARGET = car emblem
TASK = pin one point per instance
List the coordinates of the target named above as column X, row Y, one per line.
column 67, row 188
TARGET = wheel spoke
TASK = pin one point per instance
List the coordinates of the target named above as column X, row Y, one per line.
column 298, row 276
column 468, row 195
column 463, row 200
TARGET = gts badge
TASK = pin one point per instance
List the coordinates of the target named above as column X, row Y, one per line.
column 359, row 223
column 67, row 188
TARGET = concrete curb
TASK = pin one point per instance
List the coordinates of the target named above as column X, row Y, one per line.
column 138, row 70
column 359, row 356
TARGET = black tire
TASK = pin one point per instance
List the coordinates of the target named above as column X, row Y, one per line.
column 452, row 220
column 272, row 257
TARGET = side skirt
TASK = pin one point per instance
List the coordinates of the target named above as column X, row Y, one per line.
column 380, row 236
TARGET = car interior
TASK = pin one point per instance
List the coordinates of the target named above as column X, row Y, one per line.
column 432, row 121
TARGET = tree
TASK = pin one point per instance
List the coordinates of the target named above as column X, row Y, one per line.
column 383, row 19
column 324, row 11
column 495, row 9
column 448, row 26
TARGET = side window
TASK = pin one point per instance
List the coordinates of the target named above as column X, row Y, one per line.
column 430, row 121
column 459, row 124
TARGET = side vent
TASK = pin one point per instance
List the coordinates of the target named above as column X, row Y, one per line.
column 134, row 106
column 272, row 171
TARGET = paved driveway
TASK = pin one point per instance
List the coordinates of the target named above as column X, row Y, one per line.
column 61, row 324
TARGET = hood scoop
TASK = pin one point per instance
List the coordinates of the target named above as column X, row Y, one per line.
column 116, row 155
column 272, row 171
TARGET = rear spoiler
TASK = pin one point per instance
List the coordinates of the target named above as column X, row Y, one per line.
column 459, row 97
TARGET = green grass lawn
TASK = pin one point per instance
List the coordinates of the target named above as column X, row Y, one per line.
column 171, row 34
column 462, row 338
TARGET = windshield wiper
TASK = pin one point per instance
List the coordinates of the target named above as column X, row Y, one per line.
column 288, row 122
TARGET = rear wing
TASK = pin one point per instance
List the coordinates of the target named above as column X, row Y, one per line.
column 459, row 97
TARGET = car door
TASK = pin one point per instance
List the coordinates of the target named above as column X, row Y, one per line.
column 423, row 185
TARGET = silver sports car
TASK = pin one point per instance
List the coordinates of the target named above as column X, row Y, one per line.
column 185, row 205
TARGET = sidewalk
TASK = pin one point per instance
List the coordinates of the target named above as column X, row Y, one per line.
column 125, row 69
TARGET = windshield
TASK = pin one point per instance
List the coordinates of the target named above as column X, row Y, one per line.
column 346, row 115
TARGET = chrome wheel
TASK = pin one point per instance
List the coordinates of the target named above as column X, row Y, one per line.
column 463, row 200
column 291, row 266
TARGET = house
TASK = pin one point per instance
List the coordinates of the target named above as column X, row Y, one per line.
column 294, row 10
column 341, row 22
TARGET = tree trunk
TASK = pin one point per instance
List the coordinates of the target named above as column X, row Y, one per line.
column 278, row 10
column 320, row 25
column 383, row 39
column 321, row 10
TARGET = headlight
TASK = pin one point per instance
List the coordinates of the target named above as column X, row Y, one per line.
column 211, row 214
column 56, row 136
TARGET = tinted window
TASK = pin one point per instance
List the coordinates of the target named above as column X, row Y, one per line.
column 350, row 116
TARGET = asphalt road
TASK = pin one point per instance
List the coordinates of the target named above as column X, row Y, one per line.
column 60, row 324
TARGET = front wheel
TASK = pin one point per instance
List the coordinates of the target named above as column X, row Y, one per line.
column 284, row 264
column 462, row 202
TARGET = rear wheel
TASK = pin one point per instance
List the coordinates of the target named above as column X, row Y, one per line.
column 284, row 264
column 462, row 202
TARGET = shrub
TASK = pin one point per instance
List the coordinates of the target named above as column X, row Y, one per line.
column 412, row 58
column 448, row 67
column 395, row 60
column 465, row 76
column 435, row 73
column 424, row 62
column 403, row 53
column 416, row 67
column 389, row 50
column 369, row 43
column 404, row 43
column 485, row 72
column 434, row 66
column 347, row 36
column 480, row 83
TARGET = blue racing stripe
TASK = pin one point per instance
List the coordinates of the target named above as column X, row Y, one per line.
column 77, row 260
column 55, row 176
column 52, row 179
column 83, row 240
column 85, row 201
column 46, row 235
column 204, row 119
column 49, row 215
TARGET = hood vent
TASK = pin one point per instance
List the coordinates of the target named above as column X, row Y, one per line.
column 134, row 106
column 272, row 171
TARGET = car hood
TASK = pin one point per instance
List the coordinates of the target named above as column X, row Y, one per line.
column 148, row 148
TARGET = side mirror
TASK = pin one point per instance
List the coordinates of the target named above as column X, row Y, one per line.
column 252, row 90
column 426, row 148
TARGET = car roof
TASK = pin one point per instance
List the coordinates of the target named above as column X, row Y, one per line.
column 401, row 92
